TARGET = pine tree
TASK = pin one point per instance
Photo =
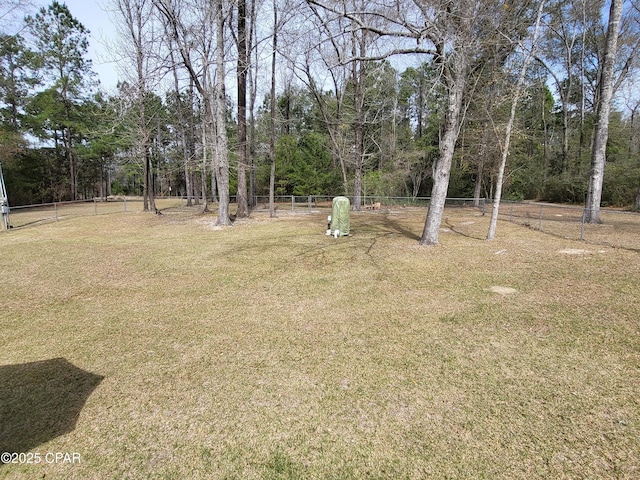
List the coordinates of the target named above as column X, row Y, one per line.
column 61, row 44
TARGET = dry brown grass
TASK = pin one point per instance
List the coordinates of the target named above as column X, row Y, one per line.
column 268, row 350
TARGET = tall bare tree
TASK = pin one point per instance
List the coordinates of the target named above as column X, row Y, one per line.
column 358, row 78
column 242, row 71
column 324, row 50
column 272, row 113
column 138, row 34
column 252, row 84
column 343, row 48
column 187, row 152
column 222, row 159
column 565, row 31
column 214, row 100
column 528, row 55
column 601, row 133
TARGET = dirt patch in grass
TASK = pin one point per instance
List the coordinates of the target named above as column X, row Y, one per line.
column 503, row 290
column 574, row 251
column 268, row 350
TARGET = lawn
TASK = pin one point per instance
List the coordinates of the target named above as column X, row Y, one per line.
column 165, row 347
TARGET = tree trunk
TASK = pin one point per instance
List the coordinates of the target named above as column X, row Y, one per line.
column 545, row 142
column 147, row 189
column 272, row 125
column 601, row 133
column 72, row 167
column 203, row 173
column 358, row 131
column 103, row 190
column 190, row 142
column 222, row 160
column 182, row 133
column 565, row 137
column 420, row 110
column 457, row 80
column 67, row 143
column 134, row 20
column 145, row 173
column 477, row 190
column 243, row 205
column 187, row 178
column 109, row 180
column 251, row 133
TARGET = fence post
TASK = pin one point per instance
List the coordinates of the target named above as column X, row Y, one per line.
column 309, row 202
column 125, row 204
column 293, row 203
column 540, row 219
column 95, row 207
column 510, row 213
column 582, row 224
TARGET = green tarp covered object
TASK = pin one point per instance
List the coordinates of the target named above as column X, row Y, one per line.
column 340, row 216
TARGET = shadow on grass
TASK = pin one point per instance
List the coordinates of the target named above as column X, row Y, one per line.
column 399, row 228
column 40, row 401
column 381, row 225
column 457, row 231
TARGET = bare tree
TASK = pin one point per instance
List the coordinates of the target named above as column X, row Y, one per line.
column 139, row 35
column 252, row 73
column 528, row 55
column 601, row 134
column 564, row 31
column 242, row 70
column 358, row 78
column 222, row 160
column 182, row 35
column 187, row 153
column 321, row 67
column 343, row 48
column 272, row 114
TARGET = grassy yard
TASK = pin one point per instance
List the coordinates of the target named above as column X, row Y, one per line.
column 168, row 348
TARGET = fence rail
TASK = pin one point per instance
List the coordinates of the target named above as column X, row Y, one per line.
column 315, row 202
column 26, row 215
column 617, row 228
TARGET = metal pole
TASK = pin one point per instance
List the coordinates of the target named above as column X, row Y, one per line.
column 55, row 211
column 582, row 225
column 95, row 207
column 293, row 202
column 125, row 204
column 4, row 202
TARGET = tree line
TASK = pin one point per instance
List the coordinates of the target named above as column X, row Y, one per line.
column 251, row 98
